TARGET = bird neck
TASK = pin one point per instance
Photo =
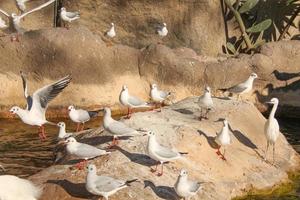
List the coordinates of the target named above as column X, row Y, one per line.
column 62, row 131
column 22, row 113
column 151, row 141
column 207, row 95
column 250, row 80
column 107, row 119
column 225, row 129
column 91, row 175
column 272, row 114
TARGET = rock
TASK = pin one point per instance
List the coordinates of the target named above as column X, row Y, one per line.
column 178, row 127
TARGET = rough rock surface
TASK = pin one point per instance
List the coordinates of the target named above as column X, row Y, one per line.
column 99, row 70
column 178, row 127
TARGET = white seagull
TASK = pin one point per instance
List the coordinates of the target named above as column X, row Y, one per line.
column 205, row 102
column 68, row 17
column 34, row 114
column 104, row 186
column 130, row 101
column 83, row 151
column 15, row 188
column 3, row 24
column 62, row 134
column 15, row 19
column 244, row 87
column 223, row 139
column 115, row 127
column 160, row 153
column 184, row 187
column 21, row 5
column 163, row 31
column 158, row 96
column 111, row 33
column 81, row 116
column 272, row 127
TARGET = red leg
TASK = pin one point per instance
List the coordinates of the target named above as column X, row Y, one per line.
column 115, row 142
column 77, row 129
column 154, row 170
column 17, row 38
column 81, row 165
column 162, row 170
column 82, row 127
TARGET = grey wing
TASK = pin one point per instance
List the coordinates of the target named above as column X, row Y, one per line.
column 119, row 128
column 88, row 151
column 135, row 101
column 194, row 186
column 166, row 152
column 26, row 95
column 83, row 115
column 164, row 94
column 238, row 88
column 107, row 184
column 72, row 14
column 37, row 8
column 4, row 13
column 43, row 96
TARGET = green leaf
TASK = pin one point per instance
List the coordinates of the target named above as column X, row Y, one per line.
column 231, row 47
column 289, row 2
column 258, row 44
column 260, row 27
column 248, row 5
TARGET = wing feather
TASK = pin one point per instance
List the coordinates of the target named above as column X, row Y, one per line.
column 166, row 152
column 4, row 13
column 37, row 8
column 107, row 184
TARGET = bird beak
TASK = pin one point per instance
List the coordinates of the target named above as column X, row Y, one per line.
column 269, row 102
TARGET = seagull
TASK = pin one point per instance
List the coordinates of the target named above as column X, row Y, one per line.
column 111, row 33
column 163, row 31
column 205, row 102
column 66, row 16
column 272, row 127
column 21, row 5
column 130, row 101
column 160, row 153
column 244, row 87
column 15, row 188
column 62, row 134
column 3, row 24
column 104, row 186
column 34, row 114
column 184, row 187
column 223, row 139
column 81, row 116
column 116, row 128
column 83, row 151
column 158, row 96
column 15, row 19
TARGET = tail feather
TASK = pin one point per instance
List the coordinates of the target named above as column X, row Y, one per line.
column 130, row 181
column 183, row 153
column 93, row 113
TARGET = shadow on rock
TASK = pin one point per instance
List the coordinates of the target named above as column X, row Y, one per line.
column 285, row 76
column 184, row 111
column 163, row 192
column 138, row 158
column 94, row 141
column 77, row 190
column 210, row 140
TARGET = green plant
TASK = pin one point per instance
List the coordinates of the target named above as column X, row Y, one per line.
column 238, row 10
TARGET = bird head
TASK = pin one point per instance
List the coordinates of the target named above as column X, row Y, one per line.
column 253, row 75
column 70, row 140
column 70, row 108
column 183, row 173
column 14, row 110
column 112, row 24
column 149, row 133
column 91, row 168
column 273, row 101
column 153, row 86
column 225, row 122
column 63, row 9
column 164, row 24
column 107, row 111
column 124, row 88
column 61, row 124
column 207, row 89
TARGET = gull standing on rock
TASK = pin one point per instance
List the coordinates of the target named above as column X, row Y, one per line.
column 184, row 187
column 272, row 128
column 242, row 88
column 130, row 101
column 163, row 31
column 34, row 114
column 205, row 102
column 81, row 116
column 160, row 153
column 111, row 33
column 116, row 128
column 62, row 134
column 68, row 17
column 83, row 151
column 15, row 19
column 15, row 188
column 104, row 186
column 158, row 96
column 223, row 139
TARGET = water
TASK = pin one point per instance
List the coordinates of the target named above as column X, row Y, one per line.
column 23, row 154
column 21, row 151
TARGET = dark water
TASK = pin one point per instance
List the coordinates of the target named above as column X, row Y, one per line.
column 23, row 154
column 21, row 151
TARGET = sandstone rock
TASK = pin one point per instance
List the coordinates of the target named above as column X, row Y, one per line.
column 178, row 127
